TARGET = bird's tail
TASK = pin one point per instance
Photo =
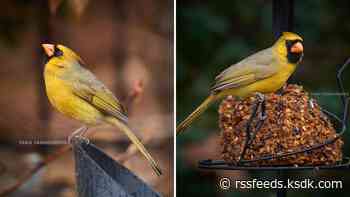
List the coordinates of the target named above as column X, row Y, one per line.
column 122, row 126
column 195, row 114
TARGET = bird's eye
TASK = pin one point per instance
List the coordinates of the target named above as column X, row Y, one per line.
column 289, row 44
column 57, row 52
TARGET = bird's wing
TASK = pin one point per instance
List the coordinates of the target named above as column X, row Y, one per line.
column 86, row 86
column 255, row 67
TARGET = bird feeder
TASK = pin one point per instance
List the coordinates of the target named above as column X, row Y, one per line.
column 297, row 134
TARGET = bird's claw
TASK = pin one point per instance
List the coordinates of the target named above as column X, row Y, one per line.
column 260, row 97
column 82, row 138
column 78, row 133
column 85, row 140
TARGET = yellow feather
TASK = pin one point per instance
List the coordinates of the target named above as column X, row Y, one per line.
column 264, row 72
column 75, row 92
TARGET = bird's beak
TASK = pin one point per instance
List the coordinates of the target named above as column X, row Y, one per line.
column 49, row 49
column 297, row 48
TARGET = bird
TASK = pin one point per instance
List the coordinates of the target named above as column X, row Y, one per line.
column 263, row 72
column 75, row 92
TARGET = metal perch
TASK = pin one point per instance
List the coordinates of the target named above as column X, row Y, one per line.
column 98, row 175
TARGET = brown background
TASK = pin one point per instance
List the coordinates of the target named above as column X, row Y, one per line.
column 124, row 43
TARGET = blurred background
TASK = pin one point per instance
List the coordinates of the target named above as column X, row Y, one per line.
column 127, row 44
column 211, row 35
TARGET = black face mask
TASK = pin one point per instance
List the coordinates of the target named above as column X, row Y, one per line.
column 293, row 57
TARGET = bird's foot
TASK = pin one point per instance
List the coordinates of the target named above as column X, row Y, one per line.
column 260, row 97
column 79, row 133
column 82, row 138
column 261, row 103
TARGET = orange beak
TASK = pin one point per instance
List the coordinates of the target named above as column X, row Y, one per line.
column 297, row 48
column 49, row 49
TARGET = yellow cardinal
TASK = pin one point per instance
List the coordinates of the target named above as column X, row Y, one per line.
column 75, row 92
column 263, row 72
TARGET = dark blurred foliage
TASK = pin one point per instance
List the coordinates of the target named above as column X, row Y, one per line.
column 125, row 43
column 211, row 35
